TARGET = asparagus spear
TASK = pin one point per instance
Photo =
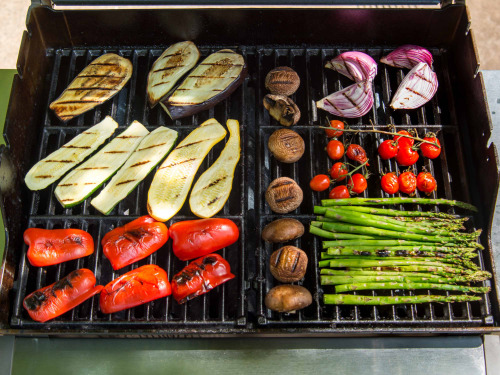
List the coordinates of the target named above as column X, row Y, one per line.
column 389, row 212
column 384, row 262
column 395, row 200
column 349, row 299
column 363, row 251
column 409, row 286
column 473, row 277
column 340, row 236
column 340, row 280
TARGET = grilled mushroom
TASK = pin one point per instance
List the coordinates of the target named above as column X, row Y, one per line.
column 282, row 81
column 288, row 298
column 282, row 230
column 286, row 145
column 282, row 109
column 284, row 195
column 288, row 264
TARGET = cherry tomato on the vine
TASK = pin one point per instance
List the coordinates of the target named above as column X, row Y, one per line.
column 406, row 156
column 357, row 183
column 388, row 149
column 407, row 182
column 320, row 182
column 335, row 149
column 426, row 183
column 404, row 140
column 339, row 192
column 390, row 183
column 335, row 124
column 339, row 171
column 356, row 153
column 431, row 151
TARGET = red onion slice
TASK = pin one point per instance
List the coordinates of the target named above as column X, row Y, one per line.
column 353, row 101
column 407, row 56
column 416, row 89
column 355, row 65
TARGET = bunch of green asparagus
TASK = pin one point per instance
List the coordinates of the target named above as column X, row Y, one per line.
column 370, row 248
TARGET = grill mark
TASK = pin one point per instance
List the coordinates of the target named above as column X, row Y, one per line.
column 128, row 136
column 147, row 148
column 115, row 152
column 423, row 78
column 97, row 76
column 125, row 182
column 416, row 93
column 287, row 198
column 278, row 258
column 279, row 184
column 296, row 261
column 211, row 77
column 91, row 168
column 192, row 143
column 77, row 102
column 218, row 63
column 89, row 132
column 333, row 105
column 181, row 162
column 67, row 200
column 350, row 100
column 161, row 84
column 105, row 64
column 213, row 201
column 90, row 183
column 71, row 146
column 215, row 182
column 282, row 82
column 173, row 54
column 92, row 88
column 140, row 163
column 44, row 176
column 65, row 185
column 58, row 161
column 168, row 68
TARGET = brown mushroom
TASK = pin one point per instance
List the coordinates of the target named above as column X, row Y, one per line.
column 282, row 109
column 282, row 230
column 286, row 145
column 282, row 80
column 284, row 195
column 288, row 264
column 288, row 298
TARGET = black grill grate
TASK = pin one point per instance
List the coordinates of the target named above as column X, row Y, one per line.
column 237, row 306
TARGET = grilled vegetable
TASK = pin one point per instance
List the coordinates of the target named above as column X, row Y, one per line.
column 173, row 179
column 288, row 298
column 173, row 63
column 282, row 109
column 212, row 189
column 134, row 241
column 200, row 276
column 282, row 230
column 95, row 84
column 48, row 170
column 134, row 288
column 55, row 299
column 284, row 195
column 288, row 264
column 286, row 145
column 53, row 246
column 195, row 238
column 282, row 80
column 84, row 180
column 147, row 155
column 212, row 81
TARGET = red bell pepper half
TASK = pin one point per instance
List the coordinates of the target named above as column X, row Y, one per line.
column 134, row 241
column 195, row 238
column 200, row 276
column 135, row 288
column 51, row 301
column 54, row 246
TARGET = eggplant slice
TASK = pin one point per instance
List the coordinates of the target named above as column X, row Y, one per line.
column 173, row 63
column 96, row 83
column 212, row 81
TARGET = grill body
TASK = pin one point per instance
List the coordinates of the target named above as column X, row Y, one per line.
column 58, row 45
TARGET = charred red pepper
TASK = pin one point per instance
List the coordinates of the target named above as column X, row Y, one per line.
column 63, row 295
column 195, row 238
column 200, row 276
column 135, row 288
column 54, row 246
column 134, row 241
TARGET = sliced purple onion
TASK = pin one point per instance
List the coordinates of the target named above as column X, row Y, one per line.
column 416, row 89
column 407, row 56
column 355, row 65
column 353, row 101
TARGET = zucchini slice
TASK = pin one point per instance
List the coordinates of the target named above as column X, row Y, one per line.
column 173, row 179
column 152, row 149
column 212, row 189
column 172, row 64
column 54, row 166
column 82, row 181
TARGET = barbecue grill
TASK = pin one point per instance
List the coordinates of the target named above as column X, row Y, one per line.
column 59, row 44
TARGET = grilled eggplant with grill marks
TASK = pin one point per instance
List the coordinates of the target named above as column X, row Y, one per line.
column 82, row 181
column 95, row 84
column 173, row 63
column 212, row 81
column 173, row 179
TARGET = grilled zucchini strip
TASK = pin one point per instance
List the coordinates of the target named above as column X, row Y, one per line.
column 82, row 181
column 173, row 179
column 96, row 83
column 54, row 166
column 212, row 189
column 173, row 63
column 152, row 149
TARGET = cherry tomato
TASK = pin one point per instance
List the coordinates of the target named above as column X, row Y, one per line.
column 406, row 156
column 430, row 151
column 357, row 183
column 339, row 192
column 388, row 149
column 320, row 182
column 403, row 140
column 356, row 153
column 335, row 149
column 407, row 182
column 390, row 183
column 426, row 183
column 335, row 124
column 339, row 171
